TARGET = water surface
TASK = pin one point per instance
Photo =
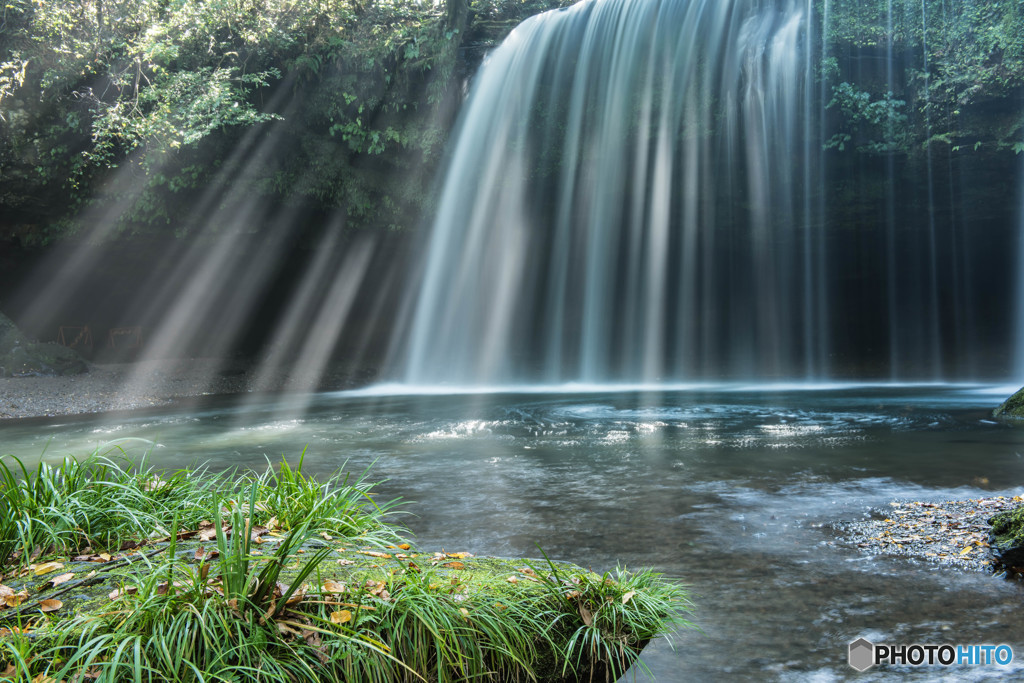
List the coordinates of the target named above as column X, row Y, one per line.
column 729, row 489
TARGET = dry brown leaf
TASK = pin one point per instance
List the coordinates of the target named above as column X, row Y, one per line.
column 127, row 590
column 460, row 556
column 50, row 605
column 9, row 671
column 326, row 536
column 16, row 599
column 345, row 563
column 374, row 553
column 513, row 579
column 454, row 565
column 332, row 586
column 287, row 630
column 586, row 615
column 5, row 591
column 46, row 568
column 342, row 616
column 63, row 578
column 404, row 546
column 628, row 596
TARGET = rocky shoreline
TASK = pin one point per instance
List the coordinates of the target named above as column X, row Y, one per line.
column 951, row 533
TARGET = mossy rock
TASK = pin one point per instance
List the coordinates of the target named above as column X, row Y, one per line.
column 1011, row 407
column 1006, row 539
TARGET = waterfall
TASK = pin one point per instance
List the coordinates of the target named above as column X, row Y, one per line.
column 624, row 202
column 637, row 192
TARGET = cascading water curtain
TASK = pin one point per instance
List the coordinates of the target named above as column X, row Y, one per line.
column 634, row 195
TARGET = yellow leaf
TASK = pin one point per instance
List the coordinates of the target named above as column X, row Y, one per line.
column 46, row 568
column 967, row 550
column 50, row 605
column 332, row 586
column 57, row 580
column 15, row 599
column 460, row 556
column 628, row 596
column 404, row 546
column 373, row 553
column 341, row 617
column 454, row 565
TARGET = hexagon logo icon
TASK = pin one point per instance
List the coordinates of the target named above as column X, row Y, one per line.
column 862, row 654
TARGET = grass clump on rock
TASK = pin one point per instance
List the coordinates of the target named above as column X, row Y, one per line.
column 112, row 572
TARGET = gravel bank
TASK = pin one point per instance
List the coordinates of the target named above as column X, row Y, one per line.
column 152, row 383
column 952, row 533
column 119, row 386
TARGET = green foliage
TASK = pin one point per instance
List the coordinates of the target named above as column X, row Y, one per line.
column 958, row 66
column 242, row 613
column 875, row 125
column 350, row 96
column 104, row 501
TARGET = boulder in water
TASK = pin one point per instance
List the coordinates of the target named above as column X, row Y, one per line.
column 1006, row 539
column 1011, row 407
column 22, row 357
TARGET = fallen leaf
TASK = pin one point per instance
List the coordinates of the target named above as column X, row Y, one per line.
column 454, row 565
column 286, row 629
column 46, row 568
column 404, row 546
column 342, row 616
column 102, row 557
column 50, row 605
column 373, row 553
column 16, row 599
column 460, row 556
column 58, row 580
column 202, row 554
column 332, row 586
column 345, row 562
column 127, row 590
column 5, row 591
column 326, row 536
column 628, row 596
column 513, row 579
column 967, row 550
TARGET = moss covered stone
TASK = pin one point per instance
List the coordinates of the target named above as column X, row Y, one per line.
column 1011, row 407
column 1007, row 539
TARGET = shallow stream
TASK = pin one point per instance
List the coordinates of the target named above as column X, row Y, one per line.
column 731, row 489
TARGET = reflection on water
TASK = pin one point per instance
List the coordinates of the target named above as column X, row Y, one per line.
column 729, row 490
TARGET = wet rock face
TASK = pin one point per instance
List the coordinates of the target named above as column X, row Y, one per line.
column 21, row 357
column 1011, row 407
column 1007, row 539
